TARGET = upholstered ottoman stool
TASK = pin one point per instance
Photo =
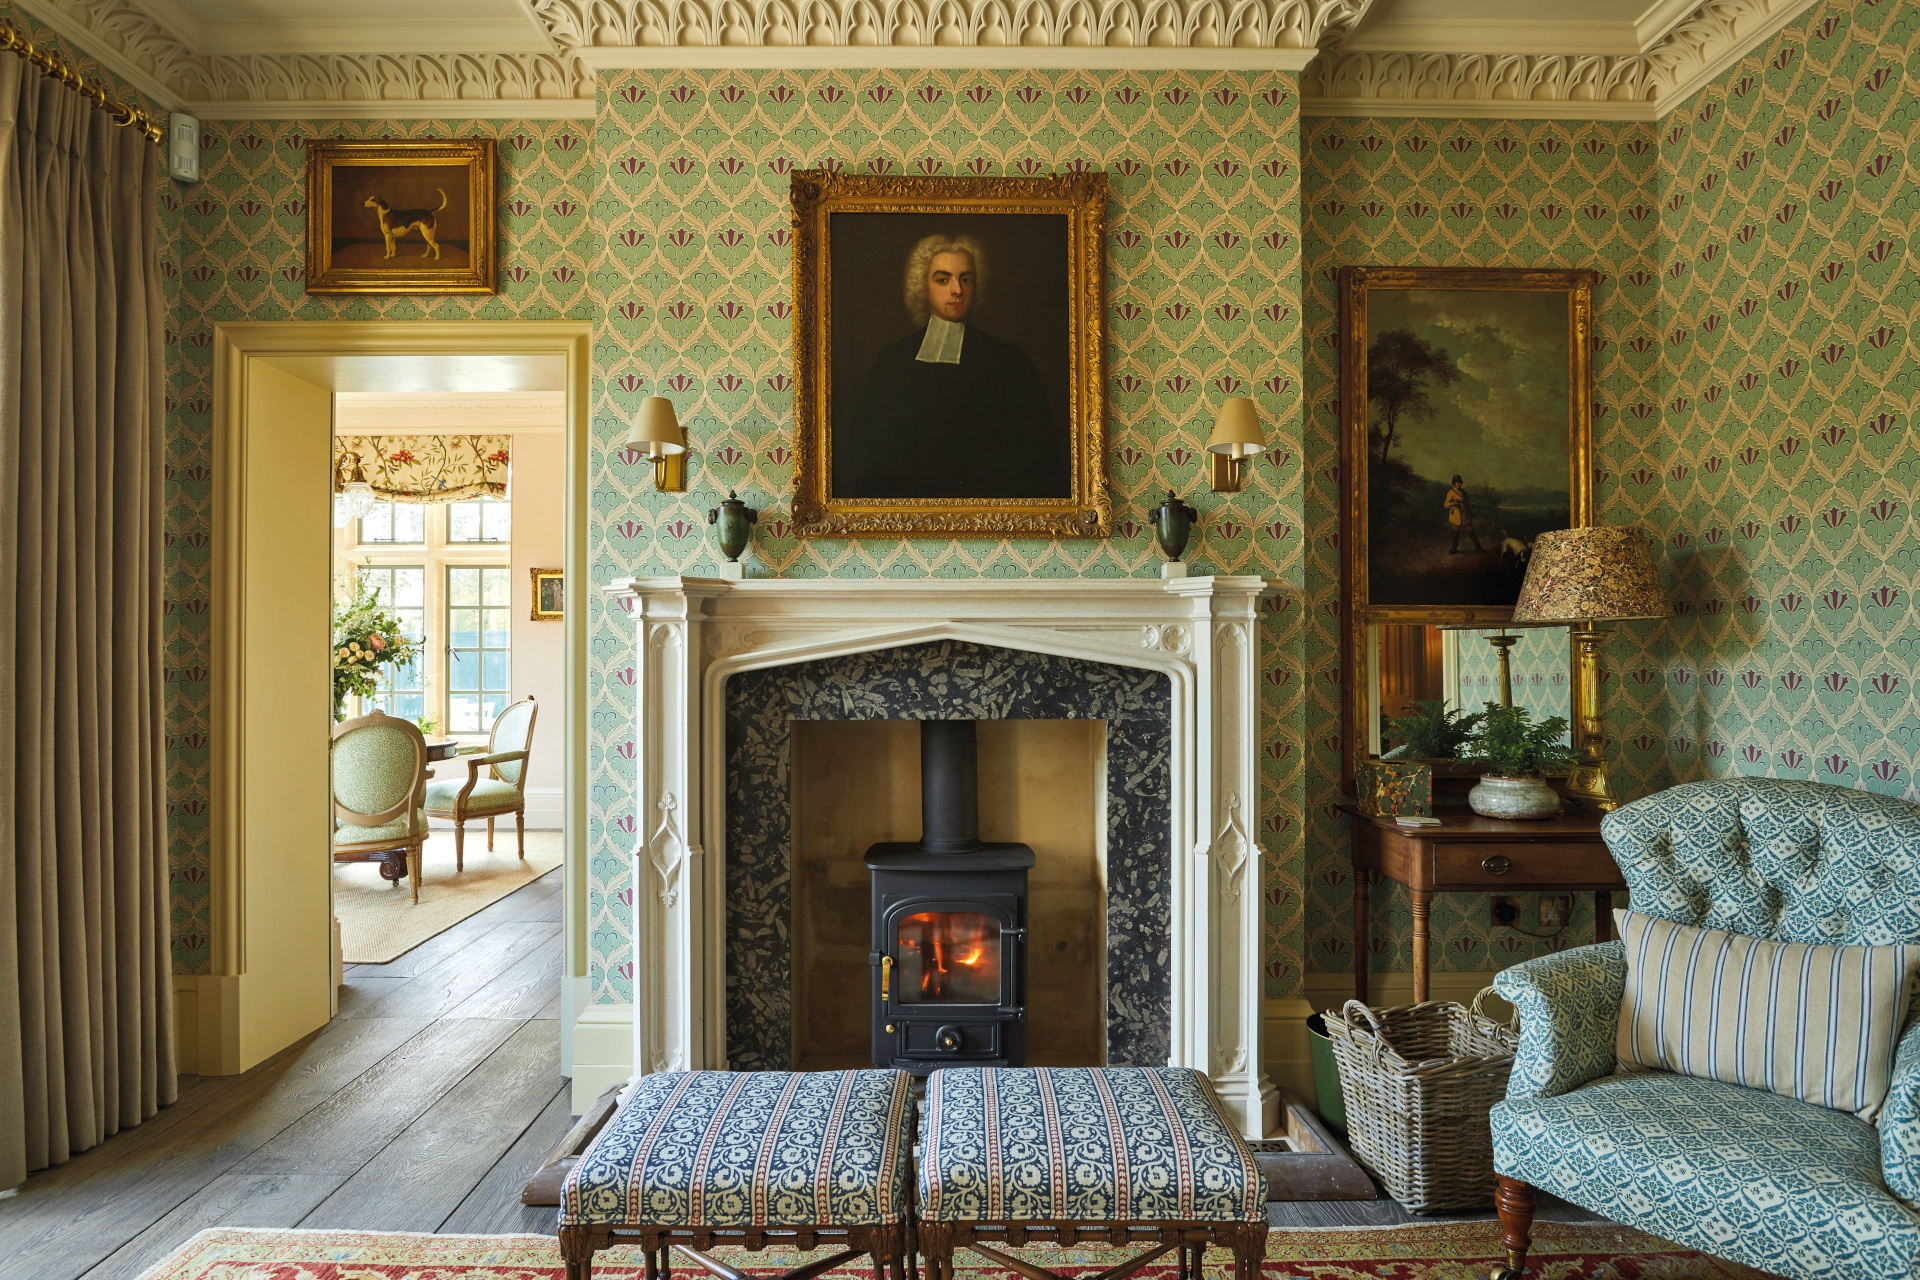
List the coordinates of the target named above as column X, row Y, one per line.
column 1118, row 1156
column 795, row 1159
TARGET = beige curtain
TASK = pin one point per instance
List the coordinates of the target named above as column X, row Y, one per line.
column 86, row 1008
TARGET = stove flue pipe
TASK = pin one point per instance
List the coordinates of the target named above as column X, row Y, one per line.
column 949, row 787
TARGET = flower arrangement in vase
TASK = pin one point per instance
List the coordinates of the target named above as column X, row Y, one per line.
column 1518, row 754
column 365, row 639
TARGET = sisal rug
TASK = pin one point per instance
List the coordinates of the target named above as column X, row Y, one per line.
column 378, row 922
column 1443, row 1251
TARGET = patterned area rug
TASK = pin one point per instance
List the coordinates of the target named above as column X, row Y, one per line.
column 1443, row 1251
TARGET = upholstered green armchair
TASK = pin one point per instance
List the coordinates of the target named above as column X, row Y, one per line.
column 509, row 754
column 379, row 778
column 1756, row 1177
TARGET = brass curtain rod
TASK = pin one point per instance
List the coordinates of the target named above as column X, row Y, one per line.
column 69, row 75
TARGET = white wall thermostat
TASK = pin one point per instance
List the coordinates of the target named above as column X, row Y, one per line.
column 183, row 147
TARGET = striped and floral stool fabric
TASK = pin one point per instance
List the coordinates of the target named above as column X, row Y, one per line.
column 792, row 1159
column 1117, row 1155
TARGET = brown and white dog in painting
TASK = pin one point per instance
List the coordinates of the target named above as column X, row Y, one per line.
column 395, row 223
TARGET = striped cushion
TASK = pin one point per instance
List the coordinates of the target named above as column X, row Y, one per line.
column 1083, row 1144
column 1813, row 1023
column 749, row 1149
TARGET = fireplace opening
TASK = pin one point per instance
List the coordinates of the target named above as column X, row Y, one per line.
column 855, row 783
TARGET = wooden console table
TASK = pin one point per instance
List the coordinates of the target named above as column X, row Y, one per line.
column 1471, row 854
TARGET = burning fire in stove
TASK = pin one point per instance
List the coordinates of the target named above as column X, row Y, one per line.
column 957, row 954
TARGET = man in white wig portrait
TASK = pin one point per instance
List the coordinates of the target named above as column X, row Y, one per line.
column 949, row 410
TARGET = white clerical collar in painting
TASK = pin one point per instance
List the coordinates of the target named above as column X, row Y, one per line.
column 942, row 343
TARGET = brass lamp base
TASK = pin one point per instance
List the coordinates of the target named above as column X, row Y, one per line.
column 1588, row 784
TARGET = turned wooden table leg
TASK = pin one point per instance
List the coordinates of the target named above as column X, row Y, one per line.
column 1422, row 909
column 1603, row 915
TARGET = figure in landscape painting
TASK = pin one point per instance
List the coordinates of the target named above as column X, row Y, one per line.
column 1468, row 441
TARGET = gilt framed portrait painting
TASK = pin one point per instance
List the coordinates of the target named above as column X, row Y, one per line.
column 411, row 216
column 950, row 355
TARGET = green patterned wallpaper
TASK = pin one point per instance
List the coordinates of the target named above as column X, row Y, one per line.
column 693, row 292
column 1754, row 381
column 666, row 221
column 1456, row 193
column 1782, row 476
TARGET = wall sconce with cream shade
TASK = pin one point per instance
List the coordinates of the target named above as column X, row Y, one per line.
column 1236, row 438
column 1580, row 578
column 657, row 433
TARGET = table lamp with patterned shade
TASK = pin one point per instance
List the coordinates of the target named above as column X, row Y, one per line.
column 1580, row 578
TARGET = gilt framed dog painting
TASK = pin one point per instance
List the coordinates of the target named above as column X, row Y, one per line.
column 949, row 347
column 400, row 216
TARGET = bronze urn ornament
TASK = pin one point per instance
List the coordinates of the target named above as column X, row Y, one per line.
column 733, row 521
column 1172, row 526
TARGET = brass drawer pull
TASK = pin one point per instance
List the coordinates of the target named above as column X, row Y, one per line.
column 1497, row 865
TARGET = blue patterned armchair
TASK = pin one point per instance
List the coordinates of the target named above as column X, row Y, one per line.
column 1750, row 1176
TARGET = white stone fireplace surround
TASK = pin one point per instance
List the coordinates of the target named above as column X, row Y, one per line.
column 693, row 633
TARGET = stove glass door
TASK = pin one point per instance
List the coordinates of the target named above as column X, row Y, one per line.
column 948, row 957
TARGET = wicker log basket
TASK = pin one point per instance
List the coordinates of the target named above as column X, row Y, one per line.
column 1419, row 1081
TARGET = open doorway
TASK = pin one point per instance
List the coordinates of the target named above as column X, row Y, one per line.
column 448, row 521
column 275, row 968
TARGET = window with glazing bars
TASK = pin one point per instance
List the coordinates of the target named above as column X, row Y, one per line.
column 478, row 645
column 403, row 591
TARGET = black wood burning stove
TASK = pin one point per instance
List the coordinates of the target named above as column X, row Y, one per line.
column 949, row 925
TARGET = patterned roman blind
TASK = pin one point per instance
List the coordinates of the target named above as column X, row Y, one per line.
column 425, row 468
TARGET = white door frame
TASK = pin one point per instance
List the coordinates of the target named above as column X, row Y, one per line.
column 220, row 1016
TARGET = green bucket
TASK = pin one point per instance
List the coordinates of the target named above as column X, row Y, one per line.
column 1326, row 1075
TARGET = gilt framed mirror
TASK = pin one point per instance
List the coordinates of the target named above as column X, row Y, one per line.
column 1466, row 432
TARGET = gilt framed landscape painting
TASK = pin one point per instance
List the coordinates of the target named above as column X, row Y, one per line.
column 1466, row 401
column 949, row 356
column 412, row 216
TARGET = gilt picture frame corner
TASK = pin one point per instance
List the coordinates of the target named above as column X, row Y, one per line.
column 949, row 356
column 412, row 216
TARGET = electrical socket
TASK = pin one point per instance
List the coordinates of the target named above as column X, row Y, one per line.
column 1556, row 909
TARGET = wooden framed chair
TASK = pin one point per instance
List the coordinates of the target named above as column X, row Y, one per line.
column 509, row 754
column 379, row 781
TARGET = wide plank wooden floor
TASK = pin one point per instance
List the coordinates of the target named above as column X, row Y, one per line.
column 424, row 1106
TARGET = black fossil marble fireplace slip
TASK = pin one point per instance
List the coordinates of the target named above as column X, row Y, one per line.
column 949, row 925
column 949, row 681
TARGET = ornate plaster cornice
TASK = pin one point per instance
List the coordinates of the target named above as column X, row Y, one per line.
column 592, row 35
column 128, row 39
column 643, row 32
column 1643, row 86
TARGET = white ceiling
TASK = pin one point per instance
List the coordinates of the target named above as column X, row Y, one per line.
column 352, row 26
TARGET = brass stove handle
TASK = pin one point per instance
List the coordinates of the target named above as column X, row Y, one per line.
column 886, row 976
column 1497, row 865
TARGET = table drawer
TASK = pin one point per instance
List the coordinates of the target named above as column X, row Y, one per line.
column 1496, row 863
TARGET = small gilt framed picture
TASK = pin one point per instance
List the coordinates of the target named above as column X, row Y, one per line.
column 549, row 595
column 412, row 216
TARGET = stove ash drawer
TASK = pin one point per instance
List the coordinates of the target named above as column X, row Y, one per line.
column 938, row 1039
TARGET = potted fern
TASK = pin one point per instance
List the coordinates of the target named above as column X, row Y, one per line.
column 1432, row 732
column 1518, row 754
